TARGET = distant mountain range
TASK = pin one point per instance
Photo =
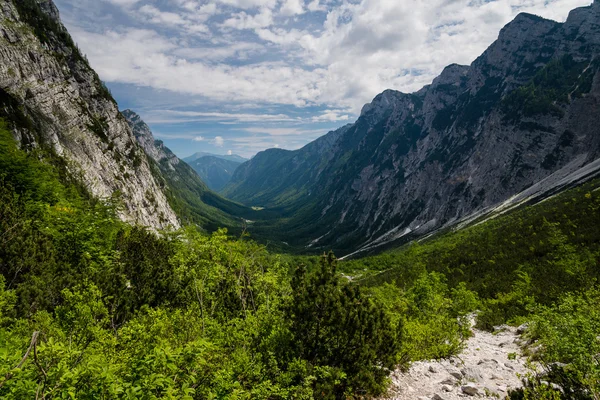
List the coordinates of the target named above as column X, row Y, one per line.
column 228, row 157
column 215, row 170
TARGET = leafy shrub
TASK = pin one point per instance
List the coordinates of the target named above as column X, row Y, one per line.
column 568, row 336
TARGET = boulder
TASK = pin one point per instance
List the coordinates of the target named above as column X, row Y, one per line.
column 470, row 390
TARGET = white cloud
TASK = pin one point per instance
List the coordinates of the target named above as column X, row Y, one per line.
column 281, row 36
column 174, row 116
column 229, row 152
column 243, row 20
column 245, row 4
column 124, row 3
column 285, row 131
column 362, row 48
column 331, row 116
column 239, row 51
column 292, row 7
column 199, row 12
column 144, row 58
column 315, row 5
column 198, row 139
column 218, row 141
column 161, row 17
column 155, row 16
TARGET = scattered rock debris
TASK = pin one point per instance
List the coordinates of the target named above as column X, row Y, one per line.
column 490, row 365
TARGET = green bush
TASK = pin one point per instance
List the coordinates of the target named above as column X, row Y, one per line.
column 569, row 338
column 337, row 327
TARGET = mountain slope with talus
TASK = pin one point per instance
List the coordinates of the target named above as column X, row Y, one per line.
column 528, row 108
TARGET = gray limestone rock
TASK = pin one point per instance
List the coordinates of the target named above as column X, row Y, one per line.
column 60, row 103
column 414, row 163
column 470, row 390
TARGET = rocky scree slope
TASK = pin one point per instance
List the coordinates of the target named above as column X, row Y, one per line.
column 490, row 366
column 52, row 99
column 479, row 134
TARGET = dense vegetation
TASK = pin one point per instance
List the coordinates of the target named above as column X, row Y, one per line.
column 93, row 308
column 539, row 264
column 554, row 85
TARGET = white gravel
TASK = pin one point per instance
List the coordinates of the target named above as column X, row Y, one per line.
column 489, row 366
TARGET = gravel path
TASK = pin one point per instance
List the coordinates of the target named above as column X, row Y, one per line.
column 486, row 369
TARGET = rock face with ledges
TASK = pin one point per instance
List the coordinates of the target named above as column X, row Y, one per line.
column 154, row 148
column 52, row 98
column 479, row 134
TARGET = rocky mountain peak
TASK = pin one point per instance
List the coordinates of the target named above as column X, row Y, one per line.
column 50, row 9
column 584, row 20
column 523, row 45
column 383, row 103
column 135, row 120
column 154, row 148
column 451, row 75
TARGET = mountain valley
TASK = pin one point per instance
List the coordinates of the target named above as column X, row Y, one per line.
column 478, row 135
column 466, row 217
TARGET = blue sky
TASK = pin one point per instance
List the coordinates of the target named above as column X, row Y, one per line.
column 241, row 76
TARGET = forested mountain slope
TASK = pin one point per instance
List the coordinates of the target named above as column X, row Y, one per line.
column 528, row 107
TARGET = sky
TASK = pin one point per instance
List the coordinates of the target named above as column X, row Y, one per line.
column 241, row 76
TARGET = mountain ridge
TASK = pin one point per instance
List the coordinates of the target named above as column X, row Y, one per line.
column 200, row 154
column 53, row 100
column 186, row 191
column 215, row 171
column 476, row 136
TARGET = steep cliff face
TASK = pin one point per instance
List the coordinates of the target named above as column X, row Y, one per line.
column 152, row 147
column 53, row 99
column 527, row 108
column 187, row 194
